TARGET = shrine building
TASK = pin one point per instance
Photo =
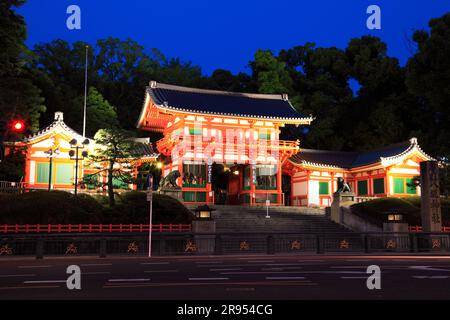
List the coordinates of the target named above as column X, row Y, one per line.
column 209, row 134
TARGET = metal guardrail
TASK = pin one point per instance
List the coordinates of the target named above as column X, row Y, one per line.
column 91, row 228
column 12, row 187
column 420, row 229
column 136, row 244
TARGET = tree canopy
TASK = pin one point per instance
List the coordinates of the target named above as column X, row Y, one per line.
column 360, row 96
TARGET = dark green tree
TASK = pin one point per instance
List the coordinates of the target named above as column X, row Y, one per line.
column 19, row 97
column 116, row 149
column 379, row 107
column 270, row 74
column 428, row 79
column 100, row 114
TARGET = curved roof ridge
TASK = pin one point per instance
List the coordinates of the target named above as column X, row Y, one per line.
column 155, row 85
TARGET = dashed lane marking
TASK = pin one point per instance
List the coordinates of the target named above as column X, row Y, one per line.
column 226, row 269
column 430, row 277
column 44, row 281
column 96, row 272
column 285, row 278
column 207, row 279
column 29, row 287
column 128, row 280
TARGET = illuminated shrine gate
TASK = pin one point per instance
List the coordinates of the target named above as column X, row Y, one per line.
column 205, row 131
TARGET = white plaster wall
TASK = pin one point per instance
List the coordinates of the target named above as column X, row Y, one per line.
column 299, row 188
column 313, row 193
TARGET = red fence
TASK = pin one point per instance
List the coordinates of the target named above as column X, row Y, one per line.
column 91, row 228
column 419, row 229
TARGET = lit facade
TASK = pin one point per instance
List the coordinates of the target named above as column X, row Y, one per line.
column 241, row 131
column 49, row 164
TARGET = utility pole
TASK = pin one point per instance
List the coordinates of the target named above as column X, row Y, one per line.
column 85, row 92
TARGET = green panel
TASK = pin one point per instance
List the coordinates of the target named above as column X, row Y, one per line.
column 191, row 185
column 195, row 131
column 201, row 196
column 399, row 185
column 91, row 181
column 42, row 173
column 189, row 196
column 246, row 198
column 119, row 184
column 64, row 173
column 378, row 186
column 264, row 135
column 323, row 188
column 362, row 187
column 410, row 190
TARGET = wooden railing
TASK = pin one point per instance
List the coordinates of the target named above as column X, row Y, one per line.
column 92, row 228
column 420, row 229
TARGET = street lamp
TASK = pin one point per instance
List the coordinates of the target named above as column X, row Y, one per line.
column 51, row 153
column 150, row 201
column 74, row 156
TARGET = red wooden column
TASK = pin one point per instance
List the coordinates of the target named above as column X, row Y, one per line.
column 279, row 182
column 252, row 186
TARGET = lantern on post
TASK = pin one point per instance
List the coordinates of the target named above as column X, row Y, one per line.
column 203, row 212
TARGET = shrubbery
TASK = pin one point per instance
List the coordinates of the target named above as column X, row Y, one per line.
column 375, row 210
column 49, row 207
column 56, row 207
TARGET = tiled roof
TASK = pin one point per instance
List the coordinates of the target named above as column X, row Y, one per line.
column 267, row 106
column 349, row 160
column 58, row 121
column 144, row 148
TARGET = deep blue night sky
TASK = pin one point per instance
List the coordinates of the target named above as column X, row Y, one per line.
column 225, row 34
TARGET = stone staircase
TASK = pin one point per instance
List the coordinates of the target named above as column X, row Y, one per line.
column 282, row 220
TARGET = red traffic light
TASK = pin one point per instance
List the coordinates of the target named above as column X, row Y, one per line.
column 18, row 126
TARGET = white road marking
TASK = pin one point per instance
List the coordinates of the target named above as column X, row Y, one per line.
column 128, row 280
column 98, row 272
column 285, row 278
column 225, row 265
column 226, row 269
column 428, row 268
column 304, row 272
column 23, row 267
column 45, row 281
column 160, row 271
column 282, row 264
column 207, row 279
column 153, row 263
column 431, row 277
column 16, row 275
column 348, row 267
column 96, row 264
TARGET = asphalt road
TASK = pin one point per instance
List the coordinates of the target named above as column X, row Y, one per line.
column 237, row 278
